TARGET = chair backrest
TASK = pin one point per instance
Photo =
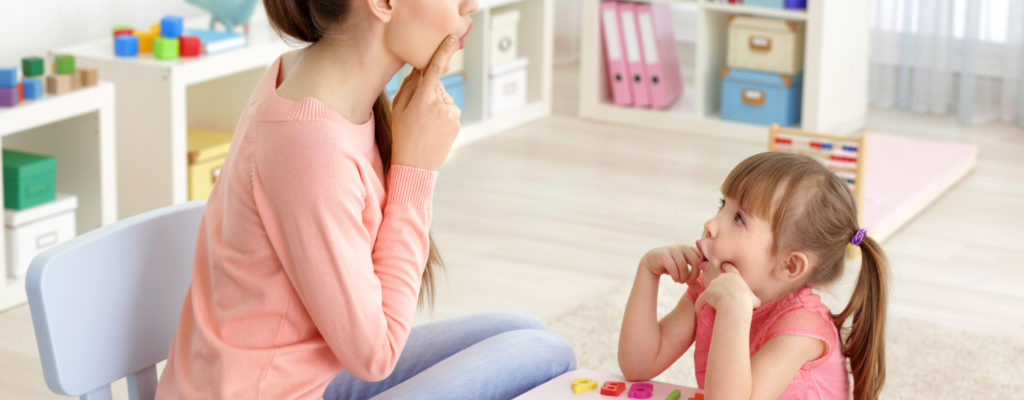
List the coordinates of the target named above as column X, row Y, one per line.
column 105, row 304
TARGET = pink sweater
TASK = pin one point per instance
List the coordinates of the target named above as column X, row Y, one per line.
column 306, row 262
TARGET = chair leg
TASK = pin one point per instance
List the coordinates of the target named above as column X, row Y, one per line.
column 102, row 393
column 142, row 384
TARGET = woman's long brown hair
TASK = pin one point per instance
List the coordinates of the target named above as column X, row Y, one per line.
column 813, row 210
column 308, row 21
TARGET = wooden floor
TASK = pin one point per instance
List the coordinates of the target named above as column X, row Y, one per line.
column 557, row 213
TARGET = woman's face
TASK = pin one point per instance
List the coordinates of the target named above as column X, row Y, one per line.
column 417, row 27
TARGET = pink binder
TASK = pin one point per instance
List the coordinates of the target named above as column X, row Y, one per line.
column 664, row 79
column 634, row 55
column 615, row 61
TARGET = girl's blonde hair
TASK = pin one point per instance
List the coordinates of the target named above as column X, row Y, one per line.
column 307, row 21
column 812, row 210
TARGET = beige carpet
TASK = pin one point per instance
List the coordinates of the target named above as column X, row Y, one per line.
column 924, row 361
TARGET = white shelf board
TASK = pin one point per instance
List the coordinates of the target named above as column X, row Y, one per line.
column 189, row 70
column 502, row 122
column 32, row 113
column 795, row 15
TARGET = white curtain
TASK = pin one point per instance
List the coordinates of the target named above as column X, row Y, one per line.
column 961, row 57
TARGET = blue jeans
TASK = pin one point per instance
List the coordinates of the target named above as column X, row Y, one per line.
column 496, row 355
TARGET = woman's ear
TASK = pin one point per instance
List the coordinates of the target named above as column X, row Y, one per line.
column 793, row 266
column 382, row 9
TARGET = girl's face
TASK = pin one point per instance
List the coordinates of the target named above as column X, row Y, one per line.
column 737, row 237
column 417, row 27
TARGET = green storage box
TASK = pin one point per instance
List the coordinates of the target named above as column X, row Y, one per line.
column 29, row 179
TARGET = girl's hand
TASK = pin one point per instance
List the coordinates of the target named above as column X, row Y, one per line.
column 424, row 119
column 728, row 291
column 679, row 261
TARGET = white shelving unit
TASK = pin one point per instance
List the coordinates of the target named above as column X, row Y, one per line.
column 159, row 100
column 78, row 129
column 536, row 42
column 835, row 70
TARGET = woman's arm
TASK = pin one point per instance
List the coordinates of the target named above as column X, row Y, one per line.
column 646, row 346
column 359, row 287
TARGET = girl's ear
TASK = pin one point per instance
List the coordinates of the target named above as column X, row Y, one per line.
column 793, row 266
column 382, row 9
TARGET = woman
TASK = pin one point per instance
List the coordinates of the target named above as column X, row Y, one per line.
column 314, row 243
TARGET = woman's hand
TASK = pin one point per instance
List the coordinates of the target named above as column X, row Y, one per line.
column 728, row 291
column 679, row 261
column 425, row 120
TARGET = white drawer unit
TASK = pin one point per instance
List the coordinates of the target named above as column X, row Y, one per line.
column 38, row 228
column 508, row 86
column 766, row 45
column 504, row 37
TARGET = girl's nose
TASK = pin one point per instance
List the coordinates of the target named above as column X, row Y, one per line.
column 709, row 229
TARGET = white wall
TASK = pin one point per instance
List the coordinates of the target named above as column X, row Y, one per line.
column 32, row 27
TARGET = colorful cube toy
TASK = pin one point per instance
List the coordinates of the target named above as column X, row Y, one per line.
column 171, row 26
column 33, row 88
column 126, row 45
column 65, row 64
column 165, row 48
column 32, row 66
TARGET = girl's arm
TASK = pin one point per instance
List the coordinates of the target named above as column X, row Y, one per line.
column 731, row 373
column 646, row 346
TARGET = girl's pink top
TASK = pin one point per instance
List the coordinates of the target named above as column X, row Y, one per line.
column 308, row 261
column 800, row 312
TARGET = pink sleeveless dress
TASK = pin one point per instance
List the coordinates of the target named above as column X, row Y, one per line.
column 800, row 312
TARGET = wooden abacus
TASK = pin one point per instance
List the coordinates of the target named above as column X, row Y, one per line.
column 843, row 155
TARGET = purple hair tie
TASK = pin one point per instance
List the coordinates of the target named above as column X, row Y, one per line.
column 858, row 237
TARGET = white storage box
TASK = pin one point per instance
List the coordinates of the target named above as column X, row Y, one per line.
column 38, row 228
column 766, row 45
column 504, row 37
column 508, row 86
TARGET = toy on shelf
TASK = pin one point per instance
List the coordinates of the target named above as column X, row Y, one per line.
column 66, row 78
column 126, row 45
column 169, row 40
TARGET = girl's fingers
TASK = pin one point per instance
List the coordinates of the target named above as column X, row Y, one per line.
column 701, row 301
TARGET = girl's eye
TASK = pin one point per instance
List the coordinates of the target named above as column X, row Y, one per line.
column 721, row 203
column 738, row 218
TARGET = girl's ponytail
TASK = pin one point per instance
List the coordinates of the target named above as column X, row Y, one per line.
column 864, row 343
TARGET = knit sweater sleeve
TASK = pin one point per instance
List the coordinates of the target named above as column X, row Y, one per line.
column 359, row 287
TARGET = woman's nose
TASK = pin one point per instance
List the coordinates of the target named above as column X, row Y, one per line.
column 469, row 6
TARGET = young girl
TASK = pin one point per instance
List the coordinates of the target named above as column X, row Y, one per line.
column 783, row 226
column 314, row 243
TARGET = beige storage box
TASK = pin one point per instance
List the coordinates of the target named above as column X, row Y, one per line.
column 34, row 229
column 504, row 37
column 766, row 45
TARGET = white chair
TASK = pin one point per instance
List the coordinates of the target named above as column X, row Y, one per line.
column 105, row 304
